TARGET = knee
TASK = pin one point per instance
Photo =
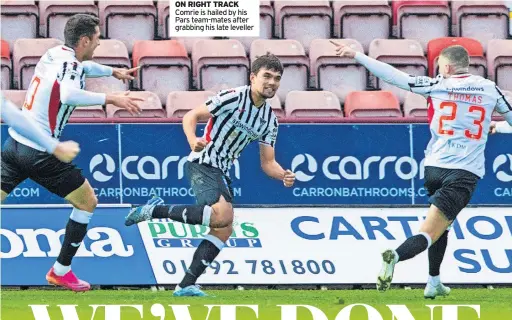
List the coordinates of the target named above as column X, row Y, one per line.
column 88, row 202
column 223, row 234
column 222, row 214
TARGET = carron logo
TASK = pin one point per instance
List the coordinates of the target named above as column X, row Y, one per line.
column 351, row 168
column 142, row 168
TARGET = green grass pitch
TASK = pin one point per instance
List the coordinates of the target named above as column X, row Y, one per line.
column 495, row 304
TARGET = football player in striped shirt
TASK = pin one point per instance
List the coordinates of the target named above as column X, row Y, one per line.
column 56, row 89
column 460, row 106
column 236, row 117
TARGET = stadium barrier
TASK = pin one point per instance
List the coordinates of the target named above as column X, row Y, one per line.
column 275, row 246
column 348, row 164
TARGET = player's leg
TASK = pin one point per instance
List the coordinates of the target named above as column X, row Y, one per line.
column 4, row 195
column 67, row 181
column 211, row 188
column 208, row 183
column 458, row 186
column 84, row 202
column 204, row 255
column 436, row 253
column 433, row 226
column 12, row 166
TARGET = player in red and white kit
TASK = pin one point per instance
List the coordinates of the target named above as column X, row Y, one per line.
column 56, row 89
column 460, row 106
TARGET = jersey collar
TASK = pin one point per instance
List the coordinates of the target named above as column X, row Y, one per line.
column 460, row 76
column 66, row 48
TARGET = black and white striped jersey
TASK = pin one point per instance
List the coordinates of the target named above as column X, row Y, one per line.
column 235, row 122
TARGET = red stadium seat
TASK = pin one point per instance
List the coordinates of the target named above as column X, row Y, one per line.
column 151, row 107
column 55, row 14
column 20, row 20
column 277, row 107
column 165, row 67
column 6, row 65
column 89, row 112
column 26, row 55
column 189, row 42
column 499, row 62
column 303, row 21
column 294, row 60
column 15, row 96
column 267, row 27
column 480, row 20
column 312, row 104
column 361, row 104
column 336, row 74
column 406, row 55
column 219, row 62
column 415, row 105
column 112, row 53
column 478, row 64
column 162, row 7
column 128, row 21
column 362, row 20
column 180, row 102
column 421, row 20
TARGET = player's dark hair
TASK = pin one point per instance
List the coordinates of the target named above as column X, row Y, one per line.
column 268, row 61
column 78, row 26
column 457, row 55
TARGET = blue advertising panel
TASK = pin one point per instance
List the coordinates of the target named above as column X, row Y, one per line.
column 335, row 164
column 111, row 253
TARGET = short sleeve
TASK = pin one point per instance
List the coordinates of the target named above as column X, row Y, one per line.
column 224, row 101
column 269, row 137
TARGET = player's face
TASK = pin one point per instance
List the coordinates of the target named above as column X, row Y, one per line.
column 91, row 44
column 266, row 82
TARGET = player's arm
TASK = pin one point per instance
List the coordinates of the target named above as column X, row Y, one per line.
column 70, row 94
column 189, row 123
column 268, row 161
column 385, row 72
column 96, row 70
column 504, row 107
column 224, row 101
column 14, row 118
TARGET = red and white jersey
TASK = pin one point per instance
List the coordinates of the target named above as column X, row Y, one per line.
column 460, row 110
column 43, row 102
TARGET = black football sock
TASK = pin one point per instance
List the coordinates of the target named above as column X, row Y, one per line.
column 190, row 214
column 413, row 246
column 76, row 229
column 205, row 253
column 436, row 254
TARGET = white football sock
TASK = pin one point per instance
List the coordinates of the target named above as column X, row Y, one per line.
column 60, row 270
column 435, row 281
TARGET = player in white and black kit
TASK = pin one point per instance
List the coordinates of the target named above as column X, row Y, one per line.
column 56, row 88
column 460, row 109
column 237, row 117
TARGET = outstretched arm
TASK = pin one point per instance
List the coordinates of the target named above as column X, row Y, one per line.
column 502, row 126
column 503, row 106
column 388, row 73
